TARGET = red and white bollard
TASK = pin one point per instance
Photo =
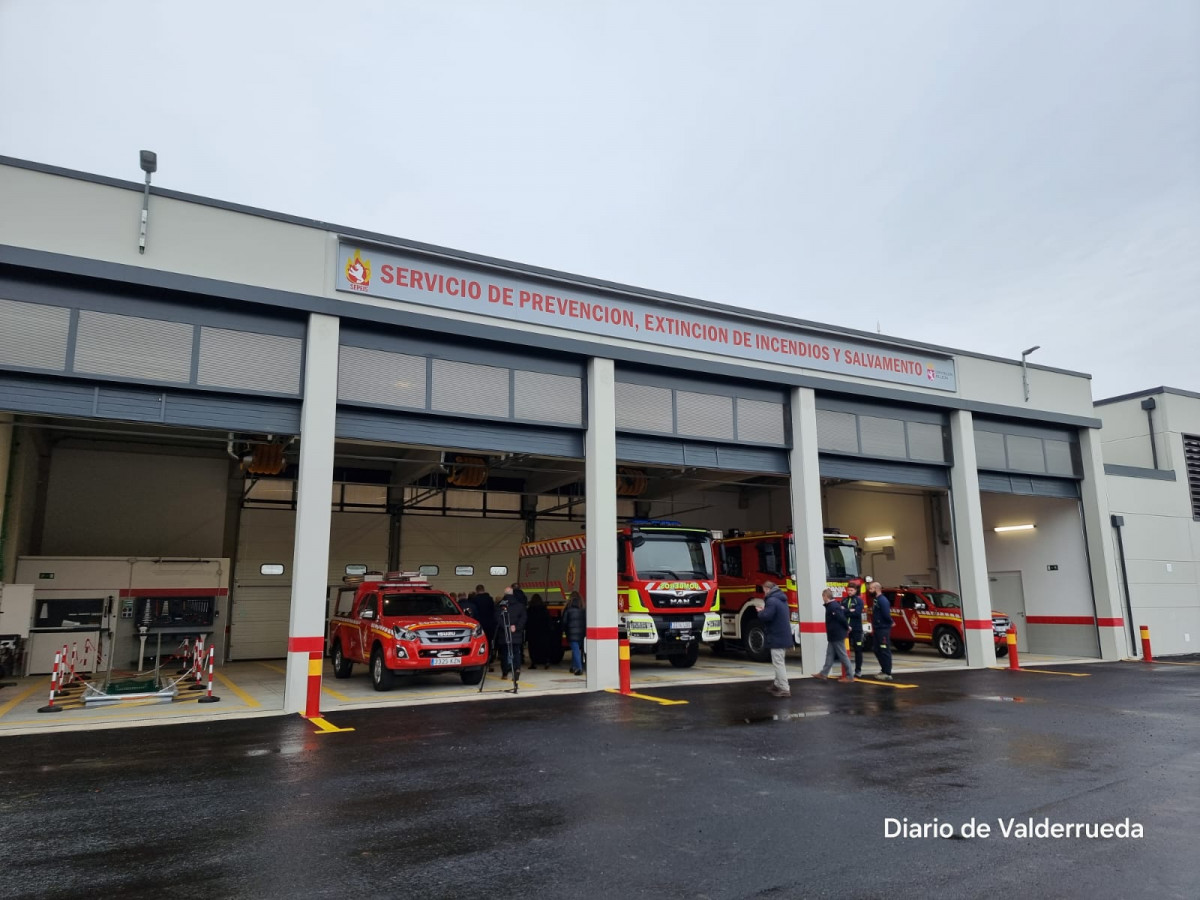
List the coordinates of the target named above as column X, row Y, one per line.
column 50, row 707
column 623, row 661
column 209, row 698
column 1011, row 637
column 1146, row 655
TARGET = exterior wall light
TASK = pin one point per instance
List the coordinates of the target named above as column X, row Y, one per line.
column 879, row 537
column 1002, row 528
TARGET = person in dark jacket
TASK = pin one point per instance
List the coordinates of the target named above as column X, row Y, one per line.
column 513, row 614
column 485, row 613
column 539, row 631
column 836, row 629
column 777, row 627
column 854, row 618
column 574, row 623
column 881, row 625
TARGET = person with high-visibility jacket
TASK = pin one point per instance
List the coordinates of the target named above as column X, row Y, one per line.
column 854, row 616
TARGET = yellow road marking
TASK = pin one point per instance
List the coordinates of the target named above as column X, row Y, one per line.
column 281, row 671
column 891, row 684
column 29, row 692
column 658, row 700
column 325, row 726
column 242, row 695
column 1043, row 671
column 336, row 695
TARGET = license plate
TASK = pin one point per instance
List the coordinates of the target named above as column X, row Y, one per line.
column 446, row 661
column 682, row 626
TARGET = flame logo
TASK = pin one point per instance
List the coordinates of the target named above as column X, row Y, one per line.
column 358, row 270
column 572, row 575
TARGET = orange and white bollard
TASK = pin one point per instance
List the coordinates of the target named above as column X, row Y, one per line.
column 1146, row 655
column 845, row 672
column 623, row 660
column 312, row 707
column 50, row 707
column 209, row 698
column 1011, row 637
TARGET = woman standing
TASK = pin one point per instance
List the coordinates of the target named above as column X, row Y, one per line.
column 574, row 622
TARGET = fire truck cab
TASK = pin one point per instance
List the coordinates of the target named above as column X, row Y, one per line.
column 746, row 559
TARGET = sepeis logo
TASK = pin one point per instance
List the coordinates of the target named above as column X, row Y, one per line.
column 358, row 272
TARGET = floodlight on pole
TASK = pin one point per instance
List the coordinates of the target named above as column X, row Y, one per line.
column 1025, row 369
column 149, row 162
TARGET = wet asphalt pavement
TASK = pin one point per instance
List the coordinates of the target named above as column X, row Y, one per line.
column 735, row 794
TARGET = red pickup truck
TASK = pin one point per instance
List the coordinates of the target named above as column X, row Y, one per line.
column 927, row 615
column 398, row 624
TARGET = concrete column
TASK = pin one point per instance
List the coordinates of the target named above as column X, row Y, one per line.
column 808, row 527
column 600, row 478
column 967, row 516
column 1102, row 560
column 310, row 564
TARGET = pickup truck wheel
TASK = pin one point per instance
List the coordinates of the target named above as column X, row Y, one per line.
column 688, row 659
column 903, row 646
column 382, row 678
column 1002, row 650
column 948, row 643
column 755, row 639
column 471, row 676
column 341, row 665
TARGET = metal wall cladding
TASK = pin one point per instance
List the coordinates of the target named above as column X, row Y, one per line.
column 33, row 336
column 470, row 389
column 882, row 437
column 925, row 442
column 989, row 450
column 1025, row 453
column 704, row 415
column 248, row 361
column 133, row 347
column 837, row 431
column 543, row 397
column 641, row 407
column 1059, row 459
column 760, row 422
column 381, row 378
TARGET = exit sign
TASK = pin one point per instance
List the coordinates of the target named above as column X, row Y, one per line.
column 45, row 575
column 1051, row 568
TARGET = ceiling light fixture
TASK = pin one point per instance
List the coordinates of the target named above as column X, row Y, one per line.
column 879, row 537
column 1001, row 528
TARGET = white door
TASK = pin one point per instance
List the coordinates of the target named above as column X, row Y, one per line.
column 1008, row 597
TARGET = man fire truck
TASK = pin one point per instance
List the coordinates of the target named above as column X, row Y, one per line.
column 666, row 591
column 746, row 559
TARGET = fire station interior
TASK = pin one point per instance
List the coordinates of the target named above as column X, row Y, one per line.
column 210, row 518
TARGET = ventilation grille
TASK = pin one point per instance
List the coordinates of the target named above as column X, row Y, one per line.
column 1025, row 453
column 989, row 450
column 132, row 347
column 460, row 387
column 760, row 422
column 380, row 377
column 641, row 407
column 837, row 431
column 542, row 397
column 704, row 415
column 1191, row 455
column 33, row 336
column 882, row 437
column 235, row 359
column 925, row 442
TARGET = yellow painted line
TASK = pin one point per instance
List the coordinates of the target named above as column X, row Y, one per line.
column 658, row 700
column 29, row 692
column 242, row 695
column 281, row 671
column 1043, row 671
column 891, row 684
column 336, row 695
column 326, row 727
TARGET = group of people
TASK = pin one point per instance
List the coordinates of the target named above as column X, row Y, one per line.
column 516, row 620
column 843, row 619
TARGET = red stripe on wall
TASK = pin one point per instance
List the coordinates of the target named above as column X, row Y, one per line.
column 1060, row 620
column 812, row 627
column 306, row 644
column 978, row 624
column 174, row 592
column 602, row 634
column 1111, row 623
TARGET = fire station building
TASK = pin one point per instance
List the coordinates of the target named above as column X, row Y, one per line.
column 281, row 399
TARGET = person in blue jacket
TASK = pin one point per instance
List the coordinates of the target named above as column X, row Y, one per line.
column 881, row 624
column 777, row 626
column 836, row 629
column 854, row 617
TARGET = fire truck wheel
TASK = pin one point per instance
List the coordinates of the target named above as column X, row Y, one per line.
column 1002, row 650
column 471, row 676
column 948, row 643
column 688, row 659
column 756, row 642
column 341, row 665
column 382, row 678
column 903, row 646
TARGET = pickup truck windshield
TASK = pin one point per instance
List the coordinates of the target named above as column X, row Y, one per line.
column 674, row 556
column 419, row 605
column 945, row 600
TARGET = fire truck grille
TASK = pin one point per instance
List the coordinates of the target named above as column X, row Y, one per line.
column 444, row 636
column 678, row 600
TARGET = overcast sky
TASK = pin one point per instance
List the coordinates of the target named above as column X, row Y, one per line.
column 981, row 175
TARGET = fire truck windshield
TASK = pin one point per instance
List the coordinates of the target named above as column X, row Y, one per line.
column 674, row 556
column 419, row 605
column 841, row 560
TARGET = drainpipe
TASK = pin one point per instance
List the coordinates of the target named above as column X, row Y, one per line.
column 1118, row 522
column 1148, row 405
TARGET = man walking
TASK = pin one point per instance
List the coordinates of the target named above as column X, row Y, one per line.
column 778, row 629
column 835, row 632
column 854, row 618
column 881, row 624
